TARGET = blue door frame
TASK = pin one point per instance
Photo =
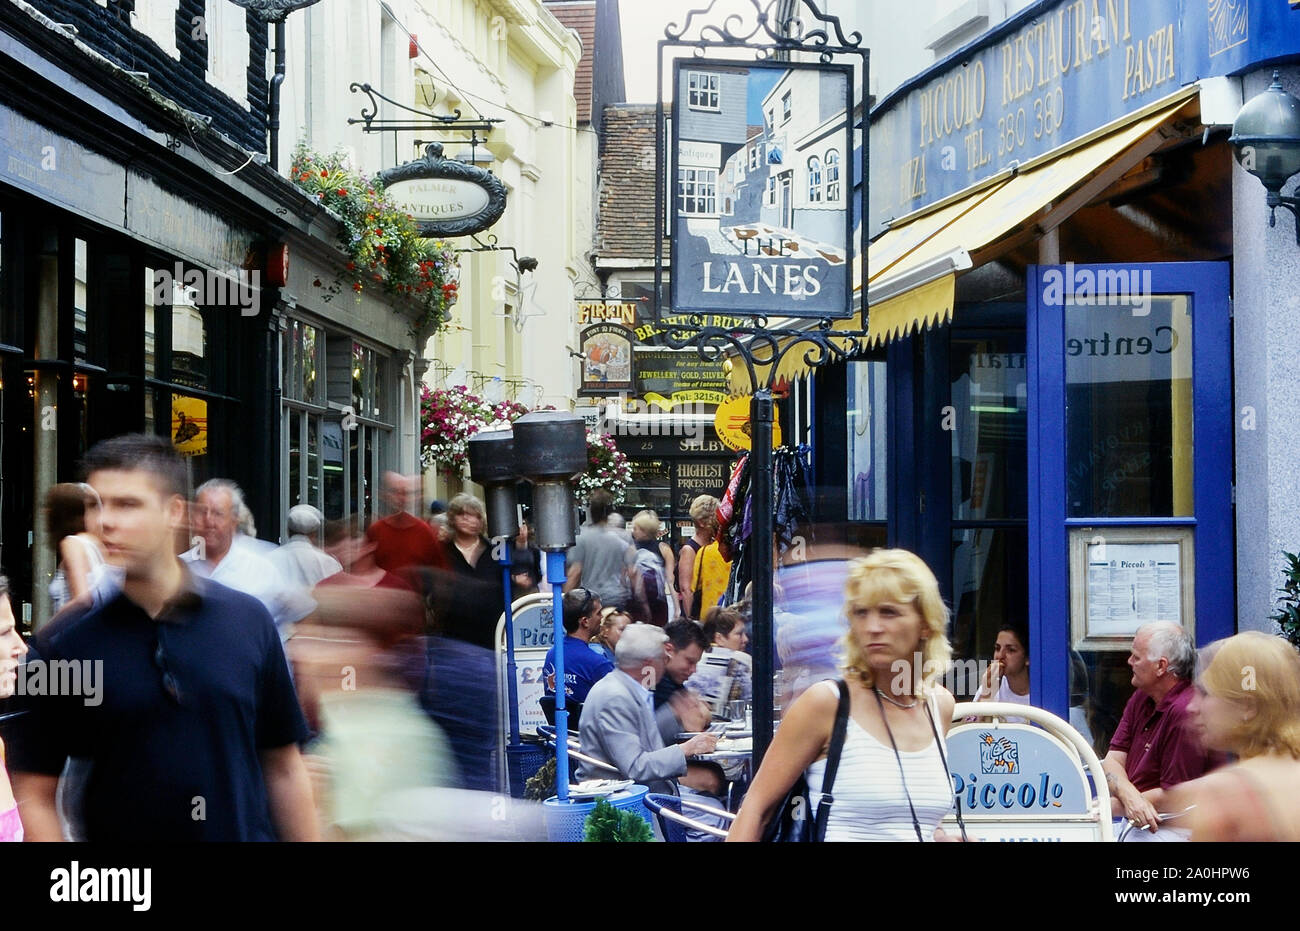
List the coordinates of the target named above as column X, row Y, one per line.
column 1208, row 283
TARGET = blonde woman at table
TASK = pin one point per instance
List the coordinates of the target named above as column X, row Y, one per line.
column 892, row 781
column 1247, row 703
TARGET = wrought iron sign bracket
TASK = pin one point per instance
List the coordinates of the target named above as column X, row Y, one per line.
column 428, row 121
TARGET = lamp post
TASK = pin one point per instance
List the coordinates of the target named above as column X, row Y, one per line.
column 1266, row 141
column 550, row 449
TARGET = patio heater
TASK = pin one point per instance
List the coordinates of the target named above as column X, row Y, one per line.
column 550, row 449
column 492, row 465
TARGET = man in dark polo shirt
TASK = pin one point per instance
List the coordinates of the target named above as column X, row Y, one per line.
column 195, row 733
column 1155, row 746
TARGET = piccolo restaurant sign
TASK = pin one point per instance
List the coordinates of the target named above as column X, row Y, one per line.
column 446, row 197
column 1053, row 73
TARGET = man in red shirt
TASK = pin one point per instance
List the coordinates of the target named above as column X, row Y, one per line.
column 1155, row 746
column 402, row 540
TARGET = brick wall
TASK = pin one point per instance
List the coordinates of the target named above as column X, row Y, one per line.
column 109, row 31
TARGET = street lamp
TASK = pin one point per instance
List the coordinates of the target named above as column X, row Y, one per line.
column 1266, row 141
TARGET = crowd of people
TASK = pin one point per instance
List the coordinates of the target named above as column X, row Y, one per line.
column 316, row 689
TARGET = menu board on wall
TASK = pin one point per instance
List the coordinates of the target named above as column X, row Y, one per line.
column 1132, row 584
column 1123, row 578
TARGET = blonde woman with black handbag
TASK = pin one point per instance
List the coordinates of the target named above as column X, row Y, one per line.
column 890, row 776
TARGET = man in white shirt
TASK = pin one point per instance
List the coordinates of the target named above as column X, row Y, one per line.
column 228, row 557
column 299, row 560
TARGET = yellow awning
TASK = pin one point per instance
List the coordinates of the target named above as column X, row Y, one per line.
column 978, row 221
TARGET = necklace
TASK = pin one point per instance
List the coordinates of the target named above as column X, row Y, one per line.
column 894, row 701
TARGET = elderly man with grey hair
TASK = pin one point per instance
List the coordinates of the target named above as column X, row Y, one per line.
column 224, row 554
column 618, row 720
column 1155, row 746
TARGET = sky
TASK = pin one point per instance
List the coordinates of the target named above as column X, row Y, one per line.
column 643, row 22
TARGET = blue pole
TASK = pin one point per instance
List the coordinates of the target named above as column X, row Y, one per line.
column 555, row 575
column 512, row 688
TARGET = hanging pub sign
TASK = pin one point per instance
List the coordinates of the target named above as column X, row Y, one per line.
column 607, row 311
column 445, row 196
column 606, row 359
column 761, row 221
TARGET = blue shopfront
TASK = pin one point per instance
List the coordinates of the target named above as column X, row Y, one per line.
column 1054, row 408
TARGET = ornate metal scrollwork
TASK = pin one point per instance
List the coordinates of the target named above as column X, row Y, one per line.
column 777, row 24
column 273, row 11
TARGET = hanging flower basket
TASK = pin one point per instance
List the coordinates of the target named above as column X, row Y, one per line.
column 384, row 246
column 607, row 468
column 449, row 417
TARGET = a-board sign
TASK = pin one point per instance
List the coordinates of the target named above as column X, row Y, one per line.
column 1016, row 782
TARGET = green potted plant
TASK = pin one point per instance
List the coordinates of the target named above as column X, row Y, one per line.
column 607, row 824
column 1287, row 615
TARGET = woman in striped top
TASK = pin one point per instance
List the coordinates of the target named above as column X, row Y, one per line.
column 893, row 781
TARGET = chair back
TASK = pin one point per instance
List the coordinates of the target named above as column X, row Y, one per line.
column 673, row 823
column 573, row 707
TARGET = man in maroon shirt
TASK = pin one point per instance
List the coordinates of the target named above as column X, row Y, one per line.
column 402, row 540
column 1155, row 746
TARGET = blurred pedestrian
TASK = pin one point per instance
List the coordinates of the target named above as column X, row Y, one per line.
column 72, row 517
column 228, row 556
column 653, row 592
column 402, row 540
column 702, row 512
column 438, row 520
column 193, row 732
column 602, row 559
column 1247, row 703
column 347, row 543
column 892, row 781
column 12, row 651
column 300, row 560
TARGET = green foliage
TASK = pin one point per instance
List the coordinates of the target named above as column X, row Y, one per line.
column 607, row 824
column 541, row 785
column 1287, row 615
column 383, row 242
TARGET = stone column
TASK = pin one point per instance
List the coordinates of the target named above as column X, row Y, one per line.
column 1266, row 345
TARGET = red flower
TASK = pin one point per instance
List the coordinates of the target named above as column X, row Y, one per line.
column 324, row 173
column 343, row 192
column 356, row 286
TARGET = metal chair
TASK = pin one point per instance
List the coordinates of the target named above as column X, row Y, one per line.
column 548, row 736
column 673, row 822
column 547, row 703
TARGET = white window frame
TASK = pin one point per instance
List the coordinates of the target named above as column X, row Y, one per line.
column 755, row 158
column 156, row 19
column 787, row 106
column 697, row 187
column 814, row 179
column 227, row 30
column 704, row 91
column 832, row 175
column 771, row 189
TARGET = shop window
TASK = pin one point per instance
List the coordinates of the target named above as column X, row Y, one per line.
column 832, row 175
column 650, row 488
column 80, row 289
column 1128, row 374
column 814, row 179
column 987, row 422
column 303, row 425
column 867, row 441
column 356, row 439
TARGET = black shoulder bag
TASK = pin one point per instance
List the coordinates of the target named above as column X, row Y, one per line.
column 792, row 825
